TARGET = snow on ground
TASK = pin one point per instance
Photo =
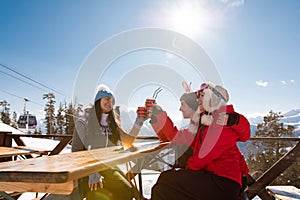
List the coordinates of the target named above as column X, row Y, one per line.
column 34, row 142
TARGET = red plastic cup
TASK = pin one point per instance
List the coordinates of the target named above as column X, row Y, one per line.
column 149, row 103
column 142, row 111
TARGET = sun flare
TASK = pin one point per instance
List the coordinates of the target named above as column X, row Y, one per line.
column 189, row 17
column 185, row 20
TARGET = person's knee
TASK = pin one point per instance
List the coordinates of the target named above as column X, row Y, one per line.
column 155, row 190
column 165, row 176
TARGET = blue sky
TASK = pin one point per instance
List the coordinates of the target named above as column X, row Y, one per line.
column 254, row 45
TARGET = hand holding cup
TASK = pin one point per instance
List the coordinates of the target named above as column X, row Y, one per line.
column 149, row 103
column 142, row 112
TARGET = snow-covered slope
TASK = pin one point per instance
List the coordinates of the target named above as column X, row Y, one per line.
column 34, row 142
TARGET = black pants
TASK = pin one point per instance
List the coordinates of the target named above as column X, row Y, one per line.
column 115, row 187
column 194, row 185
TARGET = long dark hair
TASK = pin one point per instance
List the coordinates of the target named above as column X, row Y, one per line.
column 94, row 120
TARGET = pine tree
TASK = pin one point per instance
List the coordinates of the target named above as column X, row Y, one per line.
column 50, row 116
column 60, row 120
column 69, row 119
column 265, row 153
column 72, row 114
column 14, row 120
column 5, row 116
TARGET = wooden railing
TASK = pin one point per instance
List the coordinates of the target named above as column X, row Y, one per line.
column 259, row 185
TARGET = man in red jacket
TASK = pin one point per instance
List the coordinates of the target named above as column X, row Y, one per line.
column 214, row 169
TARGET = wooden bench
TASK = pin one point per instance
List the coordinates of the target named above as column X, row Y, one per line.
column 63, row 140
column 10, row 195
column 21, row 151
column 284, row 192
column 58, row 174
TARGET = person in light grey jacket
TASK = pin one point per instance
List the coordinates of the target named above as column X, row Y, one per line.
column 100, row 128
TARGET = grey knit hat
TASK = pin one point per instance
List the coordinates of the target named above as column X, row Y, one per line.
column 190, row 99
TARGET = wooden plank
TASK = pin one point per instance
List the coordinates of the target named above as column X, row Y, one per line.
column 5, row 142
column 55, row 188
column 21, row 150
column 16, row 135
column 63, row 142
column 284, row 192
column 10, row 195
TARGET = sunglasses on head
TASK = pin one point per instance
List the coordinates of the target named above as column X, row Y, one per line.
column 204, row 86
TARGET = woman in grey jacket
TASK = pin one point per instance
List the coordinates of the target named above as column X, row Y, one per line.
column 100, row 128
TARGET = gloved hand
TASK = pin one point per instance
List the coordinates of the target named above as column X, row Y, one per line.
column 155, row 110
column 95, row 181
column 228, row 119
column 139, row 121
column 142, row 116
column 233, row 119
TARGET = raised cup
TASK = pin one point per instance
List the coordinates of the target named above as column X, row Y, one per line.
column 149, row 103
column 142, row 111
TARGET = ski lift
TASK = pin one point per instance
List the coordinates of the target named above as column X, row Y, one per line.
column 27, row 122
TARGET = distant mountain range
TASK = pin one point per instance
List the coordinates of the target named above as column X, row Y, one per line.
column 289, row 118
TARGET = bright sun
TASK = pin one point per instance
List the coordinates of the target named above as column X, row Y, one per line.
column 185, row 20
column 188, row 17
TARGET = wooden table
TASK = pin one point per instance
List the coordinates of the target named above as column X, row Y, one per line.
column 59, row 173
column 21, row 150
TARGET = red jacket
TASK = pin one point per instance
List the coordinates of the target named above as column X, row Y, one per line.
column 215, row 147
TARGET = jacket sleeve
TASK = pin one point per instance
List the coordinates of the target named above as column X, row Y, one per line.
column 136, row 127
column 167, row 131
column 244, row 166
column 128, row 138
column 242, row 127
column 79, row 136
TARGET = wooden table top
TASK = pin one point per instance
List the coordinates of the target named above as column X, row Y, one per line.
column 58, row 174
column 21, row 150
column 66, row 167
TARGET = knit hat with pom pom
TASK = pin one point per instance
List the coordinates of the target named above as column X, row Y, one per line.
column 103, row 91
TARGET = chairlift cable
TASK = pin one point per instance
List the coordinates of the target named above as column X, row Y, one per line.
column 23, row 81
column 26, row 99
column 37, row 82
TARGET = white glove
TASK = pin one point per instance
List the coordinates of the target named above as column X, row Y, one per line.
column 95, row 180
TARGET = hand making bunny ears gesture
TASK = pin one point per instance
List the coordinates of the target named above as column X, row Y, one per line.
column 187, row 87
